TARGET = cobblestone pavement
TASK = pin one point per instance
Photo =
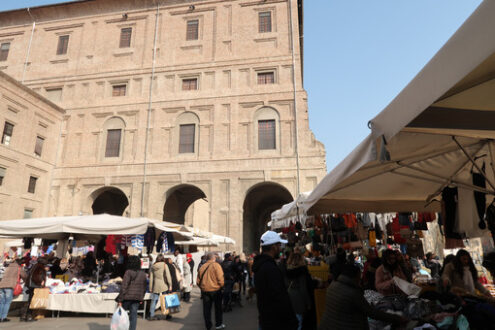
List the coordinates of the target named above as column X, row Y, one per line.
column 190, row 317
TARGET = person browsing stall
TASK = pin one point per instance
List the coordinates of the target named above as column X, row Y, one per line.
column 384, row 277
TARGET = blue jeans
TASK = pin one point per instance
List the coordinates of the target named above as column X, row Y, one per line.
column 300, row 320
column 6, row 296
column 132, row 306
column 154, row 299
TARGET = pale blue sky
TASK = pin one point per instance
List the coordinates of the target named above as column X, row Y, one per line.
column 359, row 55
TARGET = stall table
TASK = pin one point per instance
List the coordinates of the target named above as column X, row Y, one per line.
column 92, row 303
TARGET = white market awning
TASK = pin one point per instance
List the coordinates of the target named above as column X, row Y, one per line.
column 62, row 227
column 428, row 137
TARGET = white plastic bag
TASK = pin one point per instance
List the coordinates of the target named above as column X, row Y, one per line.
column 120, row 320
column 406, row 287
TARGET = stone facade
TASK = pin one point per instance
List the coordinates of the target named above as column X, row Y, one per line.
column 32, row 117
column 133, row 74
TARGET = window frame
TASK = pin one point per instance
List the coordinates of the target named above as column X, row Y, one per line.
column 262, row 144
column 40, row 151
column 261, row 77
column 8, row 141
column 110, row 152
column 4, row 54
column 3, row 173
column 265, row 26
column 28, row 210
column 63, row 44
column 191, row 147
column 125, row 42
column 192, row 35
column 186, row 83
column 119, row 88
column 32, row 184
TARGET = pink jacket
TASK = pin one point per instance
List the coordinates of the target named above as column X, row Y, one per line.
column 384, row 282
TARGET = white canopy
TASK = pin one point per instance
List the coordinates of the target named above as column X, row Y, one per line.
column 289, row 212
column 85, row 225
column 198, row 241
column 429, row 136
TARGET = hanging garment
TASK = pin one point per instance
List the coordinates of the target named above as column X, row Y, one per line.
column 366, row 220
column 490, row 217
column 449, row 198
column 28, row 242
column 378, row 231
column 372, row 238
column 468, row 214
column 137, row 241
column 404, row 219
column 149, row 239
column 480, row 198
column 350, row 220
column 171, row 242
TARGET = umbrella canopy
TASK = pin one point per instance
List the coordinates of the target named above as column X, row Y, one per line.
column 79, row 226
column 437, row 131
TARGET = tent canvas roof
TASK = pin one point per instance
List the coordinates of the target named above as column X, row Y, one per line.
column 427, row 137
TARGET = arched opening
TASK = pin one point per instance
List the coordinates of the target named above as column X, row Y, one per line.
column 260, row 202
column 109, row 200
column 187, row 204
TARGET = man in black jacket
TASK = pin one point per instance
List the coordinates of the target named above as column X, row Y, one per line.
column 274, row 306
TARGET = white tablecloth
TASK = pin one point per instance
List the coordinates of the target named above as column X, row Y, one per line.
column 94, row 303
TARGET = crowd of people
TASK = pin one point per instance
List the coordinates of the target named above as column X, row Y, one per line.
column 282, row 283
column 361, row 295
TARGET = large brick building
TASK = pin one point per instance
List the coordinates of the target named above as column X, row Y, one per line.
column 183, row 110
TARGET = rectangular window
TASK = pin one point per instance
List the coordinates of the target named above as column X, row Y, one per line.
column 32, row 184
column 8, row 130
column 4, row 51
column 2, row 174
column 190, row 84
column 125, row 37
column 265, row 21
column 54, row 94
column 63, row 44
column 39, row 146
column 28, row 213
column 266, row 134
column 113, row 143
column 265, row 78
column 119, row 90
column 192, row 30
column 186, row 139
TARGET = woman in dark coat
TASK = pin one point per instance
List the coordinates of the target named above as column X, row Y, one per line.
column 300, row 287
column 133, row 289
column 36, row 280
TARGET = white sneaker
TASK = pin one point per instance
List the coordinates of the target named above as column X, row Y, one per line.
column 222, row 326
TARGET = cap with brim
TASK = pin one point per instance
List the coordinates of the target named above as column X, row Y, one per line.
column 270, row 238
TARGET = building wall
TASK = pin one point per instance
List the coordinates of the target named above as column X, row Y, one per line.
column 32, row 116
column 226, row 58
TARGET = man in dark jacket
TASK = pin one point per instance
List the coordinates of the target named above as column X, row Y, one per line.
column 229, row 274
column 345, row 306
column 274, row 306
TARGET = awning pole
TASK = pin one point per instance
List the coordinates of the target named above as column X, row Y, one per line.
column 474, row 162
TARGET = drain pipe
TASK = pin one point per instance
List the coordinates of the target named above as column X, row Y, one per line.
column 148, row 123
column 29, row 47
column 294, row 75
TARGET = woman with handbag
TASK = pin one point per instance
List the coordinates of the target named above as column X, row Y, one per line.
column 10, row 286
column 133, row 289
column 160, row 283
column 35, row 280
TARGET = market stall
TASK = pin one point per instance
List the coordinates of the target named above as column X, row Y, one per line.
column 432, row 146
column 68, row 293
